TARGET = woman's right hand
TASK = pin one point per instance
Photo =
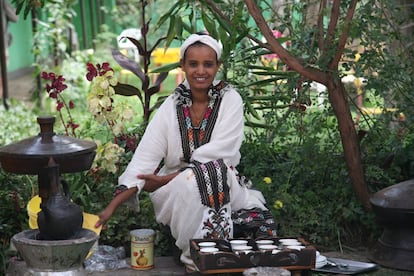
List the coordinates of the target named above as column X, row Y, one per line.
column 120, row 198
column 104, row 216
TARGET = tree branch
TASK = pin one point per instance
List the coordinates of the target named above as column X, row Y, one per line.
column 293, row 62
column 330, row 34
column 344, row 36
column 320, row 34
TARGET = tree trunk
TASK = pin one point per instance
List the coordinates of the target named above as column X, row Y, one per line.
column 350, row 143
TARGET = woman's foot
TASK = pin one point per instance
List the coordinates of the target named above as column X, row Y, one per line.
column 189, row 270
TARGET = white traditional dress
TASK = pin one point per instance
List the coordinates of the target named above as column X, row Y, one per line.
column 198, row 202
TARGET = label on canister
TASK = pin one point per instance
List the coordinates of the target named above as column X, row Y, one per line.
column 142, row 249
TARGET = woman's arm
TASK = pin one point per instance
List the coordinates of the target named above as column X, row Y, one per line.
column 120, row 198
column 153, row 182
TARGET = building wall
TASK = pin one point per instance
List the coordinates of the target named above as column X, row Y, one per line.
column 89, row 17
column 20, row 52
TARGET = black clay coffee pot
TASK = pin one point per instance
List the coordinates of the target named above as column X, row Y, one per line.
column 59, row 218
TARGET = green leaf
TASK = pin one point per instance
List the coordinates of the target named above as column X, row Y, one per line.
column 209, row 24
column 168, row 14
column 178, row 26
column 127, row 90
column 262, row 82
column 160, row 78
column 251, row 110
column 222, row 23
column 171, row 31
column 166, row 68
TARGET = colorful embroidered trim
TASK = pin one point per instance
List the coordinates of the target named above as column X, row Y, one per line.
column 212, row 183
column 191, row 137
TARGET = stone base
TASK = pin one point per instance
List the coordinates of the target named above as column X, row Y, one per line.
column 45, row 257
column 19, row 268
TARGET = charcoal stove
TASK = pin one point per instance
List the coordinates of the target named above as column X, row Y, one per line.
column 60, row 245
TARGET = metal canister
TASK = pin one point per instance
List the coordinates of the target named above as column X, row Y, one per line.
column 142, row 249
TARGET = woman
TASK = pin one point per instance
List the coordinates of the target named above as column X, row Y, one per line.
column 197, row 133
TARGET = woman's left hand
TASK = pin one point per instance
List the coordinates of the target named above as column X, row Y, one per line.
column 153, row 181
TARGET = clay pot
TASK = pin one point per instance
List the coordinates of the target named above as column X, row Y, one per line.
column 394, row 210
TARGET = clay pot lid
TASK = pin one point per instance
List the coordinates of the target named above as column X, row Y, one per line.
column 46, row 144
column 398, row 196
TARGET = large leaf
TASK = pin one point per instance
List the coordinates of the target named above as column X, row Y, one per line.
column 166, row 68
column 178, row 26
column 210, row 25
column 173, row 10
column 128, row 64
column 156, row 44
column 27, row 5
column 171, row 31
column 153, row 90
column 160, row 78
column 137, row 44
column 251, row 110
column 127, row 90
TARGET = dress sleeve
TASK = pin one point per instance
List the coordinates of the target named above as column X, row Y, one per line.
column 228, row 133
column 151, row 149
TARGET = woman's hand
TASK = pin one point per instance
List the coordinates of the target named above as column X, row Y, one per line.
column 153, row 182
column 104, row 216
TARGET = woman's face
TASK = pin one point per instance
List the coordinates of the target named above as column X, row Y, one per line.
column 200, row 66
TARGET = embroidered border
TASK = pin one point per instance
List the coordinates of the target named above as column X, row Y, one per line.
column 190, row 138
column 212, row 183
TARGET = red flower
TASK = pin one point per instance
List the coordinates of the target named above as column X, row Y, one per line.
column 131, row 143
column 104, row 68
column 56, row 84
column 72, row 125
column 99, row 69
column 59, row 106
column 92, row 72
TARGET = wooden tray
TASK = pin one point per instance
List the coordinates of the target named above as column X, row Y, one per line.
column 226, row 261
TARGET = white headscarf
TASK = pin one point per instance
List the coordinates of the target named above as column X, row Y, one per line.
column 205, row 39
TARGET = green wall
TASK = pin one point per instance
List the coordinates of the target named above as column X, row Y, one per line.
column 20, row 51
column 21, row 55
